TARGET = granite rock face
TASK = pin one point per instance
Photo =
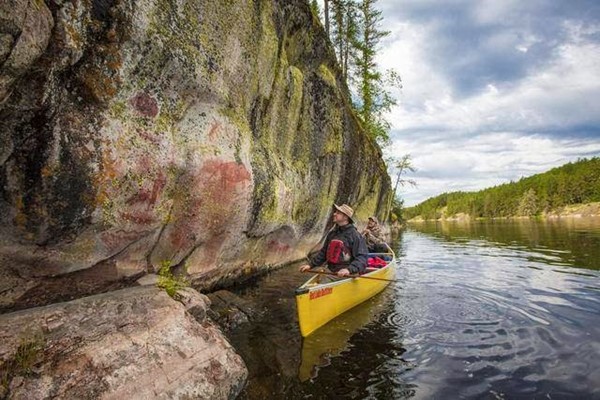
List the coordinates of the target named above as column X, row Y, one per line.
column 206, row 135
column 135, row 343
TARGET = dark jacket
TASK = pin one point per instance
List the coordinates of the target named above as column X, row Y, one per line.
column 353, row 241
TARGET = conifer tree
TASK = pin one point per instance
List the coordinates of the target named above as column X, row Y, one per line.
column 314, row 6
column 401, row 166
column 375, row 99
column 351, row 37
column 528, row 204
column 344, row 32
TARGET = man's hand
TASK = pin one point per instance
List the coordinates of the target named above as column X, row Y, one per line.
column 304, row 268
column 343, row 272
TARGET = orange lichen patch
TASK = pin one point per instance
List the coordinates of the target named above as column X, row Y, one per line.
column 104, row 180
column 111, row 35
column 109, row 166
column 113, row 63
column 100, row 79
column 99, row 85
column 101, row 196
column 112, row 56
column 46, row 171
column 74, row 34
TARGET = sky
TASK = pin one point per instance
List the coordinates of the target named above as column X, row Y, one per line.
column 493, row 90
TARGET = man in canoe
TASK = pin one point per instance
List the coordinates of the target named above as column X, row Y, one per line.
column 374, row 236
column 344, row 250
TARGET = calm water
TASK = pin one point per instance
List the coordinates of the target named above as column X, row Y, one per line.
column 502, row 310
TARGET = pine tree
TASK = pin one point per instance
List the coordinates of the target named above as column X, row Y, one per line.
column 402, row 166
column 314, row 6
column 375, row 99
column 344, row 32
column 338, row 7
column 528, row 205
column 399, row 167
column 351, row 37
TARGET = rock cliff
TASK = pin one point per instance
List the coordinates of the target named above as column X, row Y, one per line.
column 206, row 135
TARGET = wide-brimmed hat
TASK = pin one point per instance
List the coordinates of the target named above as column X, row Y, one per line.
column 374, row 218
column 345, row 209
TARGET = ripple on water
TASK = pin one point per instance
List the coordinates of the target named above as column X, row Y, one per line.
column 471, row 318
column 399, row 319
column 493, row 314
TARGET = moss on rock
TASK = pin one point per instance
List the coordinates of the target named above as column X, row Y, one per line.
column 147, row 123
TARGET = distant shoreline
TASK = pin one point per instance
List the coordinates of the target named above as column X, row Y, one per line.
column 587, row 210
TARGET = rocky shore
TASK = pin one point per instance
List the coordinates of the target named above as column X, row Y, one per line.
column 588, row 210
column 206, row 138
column 131, row 343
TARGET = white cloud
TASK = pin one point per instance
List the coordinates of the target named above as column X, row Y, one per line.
column 478, row 162
column 558, row 96
column 507, row 130
column 405, row 52
column 493, row 90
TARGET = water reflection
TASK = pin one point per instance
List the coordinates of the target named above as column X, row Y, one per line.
column 492, row 312
column 332, row 339
column 507, row 309
column 567, row 241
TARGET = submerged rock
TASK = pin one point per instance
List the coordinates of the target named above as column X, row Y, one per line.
column 231, row 311
column 129, row 344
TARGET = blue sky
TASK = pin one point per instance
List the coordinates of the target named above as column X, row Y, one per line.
column 493, row 90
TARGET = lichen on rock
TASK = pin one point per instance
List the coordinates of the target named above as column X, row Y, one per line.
column 213, row 135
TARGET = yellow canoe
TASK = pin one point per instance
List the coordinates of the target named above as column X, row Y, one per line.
column 319, row 303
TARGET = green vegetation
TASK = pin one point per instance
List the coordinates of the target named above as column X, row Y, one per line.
column 168, row 281
column 314, row 6
column 396, row 210
column 354, row 31
column 399, row 167
column 572, row 183
column 375, row 98
column 22, row 362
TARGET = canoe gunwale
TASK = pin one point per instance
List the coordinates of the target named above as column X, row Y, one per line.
column 304, row 289
column 311, row 318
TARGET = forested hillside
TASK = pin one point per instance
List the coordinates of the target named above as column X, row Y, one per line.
column 572, row 183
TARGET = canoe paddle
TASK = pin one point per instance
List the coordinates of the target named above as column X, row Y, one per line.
column 353, row 276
